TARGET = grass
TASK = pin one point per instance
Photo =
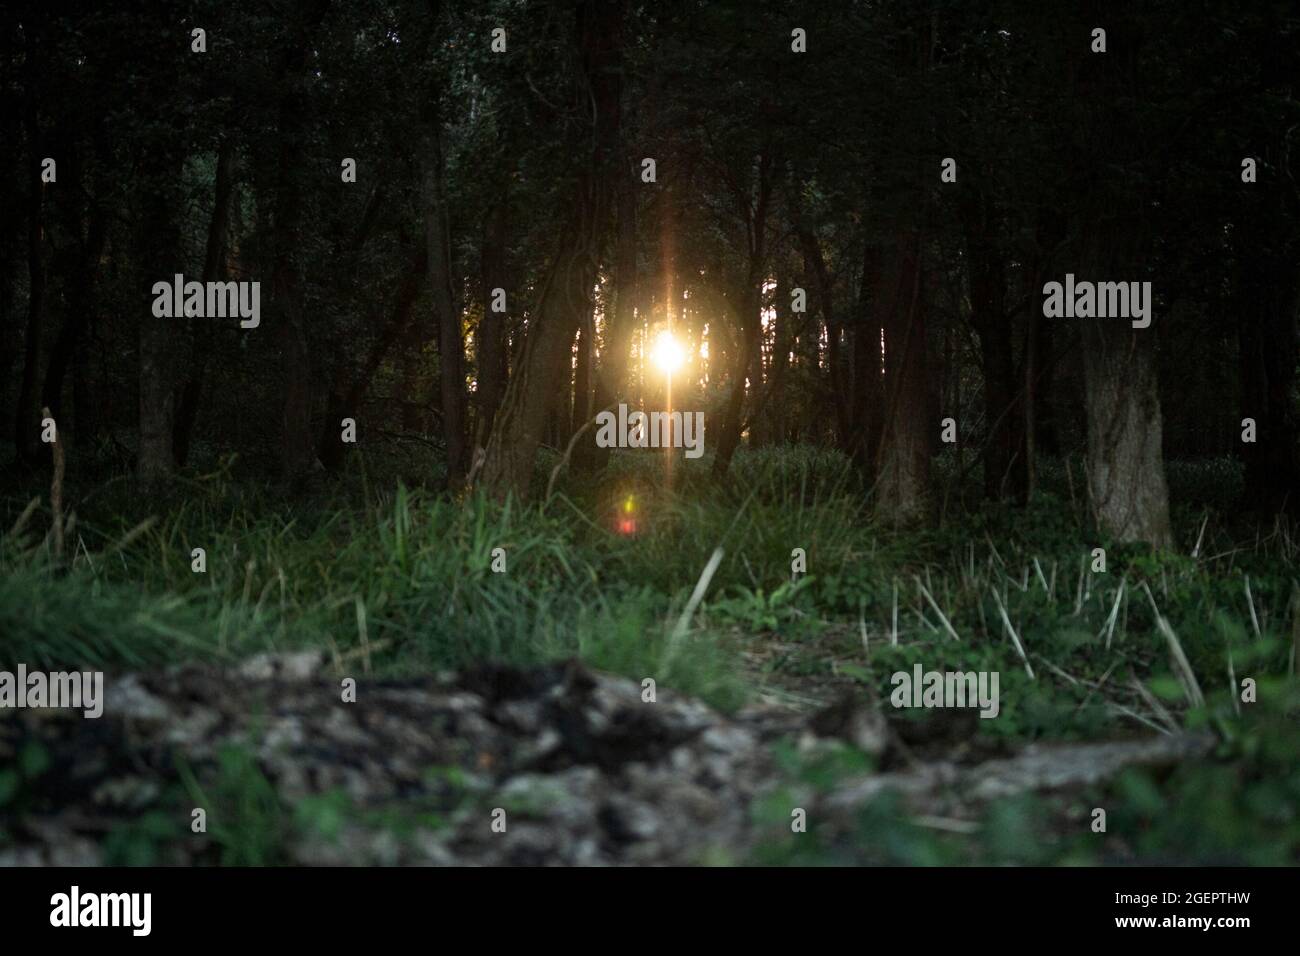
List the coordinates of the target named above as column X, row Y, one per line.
column 401, row 581
column 409, row 576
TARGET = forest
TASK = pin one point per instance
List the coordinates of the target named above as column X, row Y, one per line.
column 600, row 432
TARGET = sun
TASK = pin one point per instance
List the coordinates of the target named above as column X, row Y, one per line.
column 667, row 353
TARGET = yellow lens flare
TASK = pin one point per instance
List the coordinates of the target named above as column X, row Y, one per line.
column 667, row 353
column 627, row 518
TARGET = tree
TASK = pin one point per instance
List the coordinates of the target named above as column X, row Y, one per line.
column 566, row 288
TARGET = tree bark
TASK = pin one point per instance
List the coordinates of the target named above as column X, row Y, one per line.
column 1003, row 476
column 563, row 397
column 610, row 384
column 191, row 391
column 27, row 417
column 297, row 448
column 516, row 433
column 841, row 405
column 748, row 367
column 1126, row 471
column 451, row 343
column 490, row 343
column 159, row 242
column 866, row 415
column 774, row 422
column 583, row 395
column 346, row 398
column 902, row 487
column 81, row 302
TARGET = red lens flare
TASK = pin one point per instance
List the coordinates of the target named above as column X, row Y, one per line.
column 625, row 520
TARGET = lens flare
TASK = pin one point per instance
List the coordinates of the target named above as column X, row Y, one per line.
column 667, row 353
column 626, row 520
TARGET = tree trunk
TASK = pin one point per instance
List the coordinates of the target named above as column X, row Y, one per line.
column 346, row 398
column 159, row 243
column 81, row 302
column 214, row 270
column 296, row 452
column 583, row 396
column 297, row 448
column 27, row 418
column 745, row 372
column 490, row 343
column 564, row 397
column 1002, row 475
column 866, row 416
column 902, row 486
column 517, row 431
column 1126, row 471
column 841, row 387
column 451, row 343
column 774, row 422
column 748, row 367
column 610, row 385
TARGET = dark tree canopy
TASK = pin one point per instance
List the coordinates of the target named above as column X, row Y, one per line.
column 471, row 223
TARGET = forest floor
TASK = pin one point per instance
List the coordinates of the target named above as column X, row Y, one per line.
column 511, row 685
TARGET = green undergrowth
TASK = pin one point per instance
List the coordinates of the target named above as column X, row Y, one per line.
column 402, row 580
column 408, row 576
